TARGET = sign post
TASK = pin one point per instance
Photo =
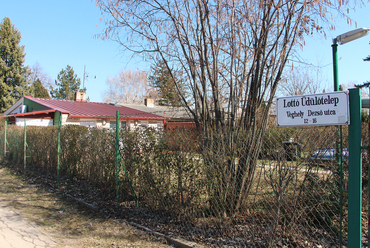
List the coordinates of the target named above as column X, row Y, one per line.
column 355, row 171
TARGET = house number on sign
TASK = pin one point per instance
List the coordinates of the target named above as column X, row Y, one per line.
column 307, row 121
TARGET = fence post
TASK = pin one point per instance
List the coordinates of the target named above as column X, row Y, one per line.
column 25, row 147
column 354, row 170
column 59, row 149
column 117, row 159
column 5, row 141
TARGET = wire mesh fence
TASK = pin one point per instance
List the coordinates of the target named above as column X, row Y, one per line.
column 282, row 187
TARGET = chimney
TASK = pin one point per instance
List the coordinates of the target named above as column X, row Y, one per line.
column 149, row 102
column 80, row 96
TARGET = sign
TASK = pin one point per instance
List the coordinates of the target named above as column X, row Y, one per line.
column 313, row 110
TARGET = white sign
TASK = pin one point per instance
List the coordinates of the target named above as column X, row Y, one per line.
column 313, row 110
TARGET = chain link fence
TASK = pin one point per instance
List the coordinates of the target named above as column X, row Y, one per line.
column 211, row 188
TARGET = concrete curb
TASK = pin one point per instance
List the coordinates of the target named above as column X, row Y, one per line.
column 91, row 206
column 177, row 242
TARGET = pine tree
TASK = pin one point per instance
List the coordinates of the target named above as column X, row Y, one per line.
column 162, row 80
column 39, row 91
column 11, row 64
column 67, row 84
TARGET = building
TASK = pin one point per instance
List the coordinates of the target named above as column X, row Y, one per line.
column 177, row 117
column 172, row 113
column 46, row 112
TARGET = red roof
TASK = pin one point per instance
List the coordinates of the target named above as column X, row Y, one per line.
column 93, row 109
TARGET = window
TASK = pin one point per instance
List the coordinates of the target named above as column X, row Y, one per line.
column 123, row 125
column 87, row 124
column 112, row 124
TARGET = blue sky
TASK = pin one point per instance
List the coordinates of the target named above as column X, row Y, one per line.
column 351, row 67
column 60, row 33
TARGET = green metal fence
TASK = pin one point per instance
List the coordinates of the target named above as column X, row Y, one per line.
column 206, row 187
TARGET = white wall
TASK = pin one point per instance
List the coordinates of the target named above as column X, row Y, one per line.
column 90, row 122
column 34, row 122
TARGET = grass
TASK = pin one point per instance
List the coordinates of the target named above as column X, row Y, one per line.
column 67, row 222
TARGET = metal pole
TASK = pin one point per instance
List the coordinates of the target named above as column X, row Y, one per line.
column 117, row 159
column 25, row 146
column 335, row 65
column 339, row 144
column 59, row 148
column 368, row 178
column 354, row 170
column 5, row 141
column 83, row 84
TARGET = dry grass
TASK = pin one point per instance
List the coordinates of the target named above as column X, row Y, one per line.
column 67, row 222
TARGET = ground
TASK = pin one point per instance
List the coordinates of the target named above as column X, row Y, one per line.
column 65, row 221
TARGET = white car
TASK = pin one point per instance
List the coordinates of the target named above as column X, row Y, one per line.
column 328, row 154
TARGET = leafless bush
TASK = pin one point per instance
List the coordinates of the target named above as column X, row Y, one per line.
column 192, row 178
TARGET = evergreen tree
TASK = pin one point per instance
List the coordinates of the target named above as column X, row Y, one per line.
column 163, row 81
column 67, row 84
column 11, row 65
column 39, row 91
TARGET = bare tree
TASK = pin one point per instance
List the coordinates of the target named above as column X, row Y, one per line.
column 128, row 87
column 36, row 75
column 302, row 80
column 37, row 72
column 232, row 54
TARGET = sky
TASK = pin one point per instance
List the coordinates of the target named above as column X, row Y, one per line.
column 351, row 67
column 60, row 33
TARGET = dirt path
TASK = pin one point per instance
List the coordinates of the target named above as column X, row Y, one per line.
column 39, row 217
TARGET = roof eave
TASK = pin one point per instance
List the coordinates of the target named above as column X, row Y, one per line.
column 121, row 117
column 35, row 113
